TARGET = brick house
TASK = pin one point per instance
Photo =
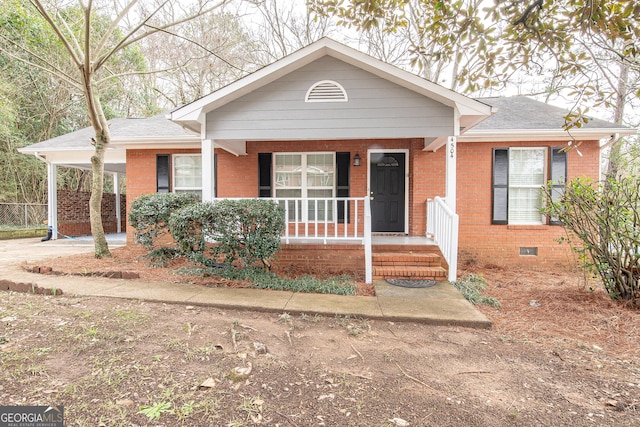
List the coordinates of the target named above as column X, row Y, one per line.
column 379, row 170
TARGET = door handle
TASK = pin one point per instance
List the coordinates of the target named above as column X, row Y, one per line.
column 370, row 197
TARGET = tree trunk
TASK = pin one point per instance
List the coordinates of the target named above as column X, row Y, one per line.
column 621, row 96
column 95, row 202
column 100, row 142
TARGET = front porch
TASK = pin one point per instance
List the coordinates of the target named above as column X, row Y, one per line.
column 341, row 241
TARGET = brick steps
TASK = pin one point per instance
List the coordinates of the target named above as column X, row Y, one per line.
column 406, row 259
column 408, row 265
column 410, row 273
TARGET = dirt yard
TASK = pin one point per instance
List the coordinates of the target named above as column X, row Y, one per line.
column 559, row 354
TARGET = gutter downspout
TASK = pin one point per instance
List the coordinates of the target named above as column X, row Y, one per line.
column 614, row 138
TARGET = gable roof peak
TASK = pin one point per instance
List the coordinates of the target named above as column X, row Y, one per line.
column 192, row 115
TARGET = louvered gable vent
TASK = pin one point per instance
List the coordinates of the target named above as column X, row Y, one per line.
column 326, row 91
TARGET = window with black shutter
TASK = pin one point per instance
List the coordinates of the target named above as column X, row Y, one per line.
column 558, row 177
column 343, row 161
column 264, row 175
column 519, row 175
column 500, row 185
column 163, row 178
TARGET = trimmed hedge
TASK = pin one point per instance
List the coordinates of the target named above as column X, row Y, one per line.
column 150, row 214
column 229, row 230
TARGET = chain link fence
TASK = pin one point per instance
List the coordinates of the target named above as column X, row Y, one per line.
column 22, row 215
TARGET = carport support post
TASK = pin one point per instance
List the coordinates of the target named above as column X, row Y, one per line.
column 52, row 205
column 116, row 190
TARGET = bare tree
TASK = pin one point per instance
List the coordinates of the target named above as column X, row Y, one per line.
column 285, row 28
column 92, row 49
column 198, row 61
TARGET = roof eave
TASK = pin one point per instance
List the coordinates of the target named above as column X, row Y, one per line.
column 520, row 135
column 157, row 142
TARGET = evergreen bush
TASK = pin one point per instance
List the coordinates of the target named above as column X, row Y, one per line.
column 229, row 230
column 150, row 213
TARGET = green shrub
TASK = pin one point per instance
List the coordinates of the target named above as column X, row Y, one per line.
column 150, row 214
column 603, row 224
column 248, row 230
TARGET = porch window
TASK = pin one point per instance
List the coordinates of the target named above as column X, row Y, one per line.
column 306, row 175
column 187, row 173
column 519, row 175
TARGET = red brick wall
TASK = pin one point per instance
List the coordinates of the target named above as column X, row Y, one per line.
column 238, row 177
column 500, row 244
column 141, row 175
column 320, row 260
column 73, row 212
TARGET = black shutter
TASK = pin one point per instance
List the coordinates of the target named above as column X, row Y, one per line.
column 500, row 186
column 264, row 174
column 343, row 161
column 558, row 177
column 162, row 173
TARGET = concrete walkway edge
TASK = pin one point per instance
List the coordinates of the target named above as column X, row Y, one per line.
column 438, row 305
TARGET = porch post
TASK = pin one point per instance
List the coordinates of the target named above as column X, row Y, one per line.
column 451, row 155
column 116, row 190
column 52, row 205
column 208, row 172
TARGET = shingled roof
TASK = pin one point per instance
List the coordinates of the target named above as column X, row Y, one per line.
column 521, row 112
column 125, row 129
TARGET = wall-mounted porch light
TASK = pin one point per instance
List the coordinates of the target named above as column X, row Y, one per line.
column 356, row 160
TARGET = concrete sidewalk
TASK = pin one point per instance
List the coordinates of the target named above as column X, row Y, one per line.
column 439, row 305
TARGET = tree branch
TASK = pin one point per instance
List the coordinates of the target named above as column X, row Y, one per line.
column 137, row 73
column 43, row 12
column 525, row 15
column 197, row 44
column 114, row 24
column 130, row 39
column 53, row 70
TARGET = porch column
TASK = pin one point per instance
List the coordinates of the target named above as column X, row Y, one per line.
column 52, row 205
column 208, row 170
column 451, row 155
column 116, row 190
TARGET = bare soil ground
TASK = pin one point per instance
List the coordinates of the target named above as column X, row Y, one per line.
column 558, row 355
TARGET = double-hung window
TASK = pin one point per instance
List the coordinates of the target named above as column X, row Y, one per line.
column 184, row 171
column 309, row 176
column 519, row 177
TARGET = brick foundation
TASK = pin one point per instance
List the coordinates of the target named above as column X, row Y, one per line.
column 320, row 260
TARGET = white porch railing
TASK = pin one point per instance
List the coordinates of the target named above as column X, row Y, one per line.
column 329, row 220
column 442, row 227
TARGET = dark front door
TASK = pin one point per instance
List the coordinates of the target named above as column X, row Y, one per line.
column 387, row 192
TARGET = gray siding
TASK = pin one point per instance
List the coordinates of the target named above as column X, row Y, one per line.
column 376, row 108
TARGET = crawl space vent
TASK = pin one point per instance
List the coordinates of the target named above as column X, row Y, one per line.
column 529, row 251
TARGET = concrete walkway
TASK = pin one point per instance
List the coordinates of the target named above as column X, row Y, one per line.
column 439, row 305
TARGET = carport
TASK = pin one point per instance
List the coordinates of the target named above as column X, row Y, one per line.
column 74, row 150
